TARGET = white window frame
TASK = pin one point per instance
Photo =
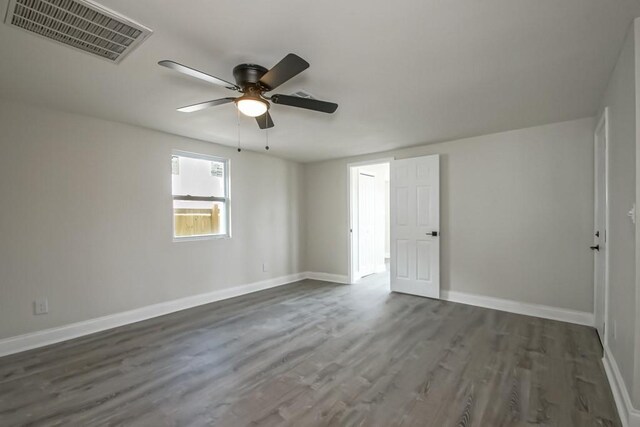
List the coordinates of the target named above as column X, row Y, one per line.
column 226, row 199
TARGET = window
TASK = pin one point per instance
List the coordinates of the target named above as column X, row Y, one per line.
column 200, row 188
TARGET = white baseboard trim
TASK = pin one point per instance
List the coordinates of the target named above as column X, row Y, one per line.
column 45, row 337
column 629, row 415
column 328, row 277
column 537, row 310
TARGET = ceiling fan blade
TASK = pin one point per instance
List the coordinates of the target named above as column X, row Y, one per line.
column 197, row 74
column 203, row 105
column 290, row 66
column 265, row 121
column 308, row 103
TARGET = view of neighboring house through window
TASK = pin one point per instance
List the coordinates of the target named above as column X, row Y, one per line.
column 200, row 195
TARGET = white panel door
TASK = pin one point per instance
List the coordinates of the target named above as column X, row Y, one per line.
column 600, row 228
column 366, row 225
column 415, row 226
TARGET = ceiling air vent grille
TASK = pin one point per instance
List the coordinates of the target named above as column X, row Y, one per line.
column 80, row 24
column 303, row 94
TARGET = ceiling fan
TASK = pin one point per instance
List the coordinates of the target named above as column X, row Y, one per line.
column 253, row 81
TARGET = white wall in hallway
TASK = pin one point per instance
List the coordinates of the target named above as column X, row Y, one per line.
column 387, row 210
column 381, row 218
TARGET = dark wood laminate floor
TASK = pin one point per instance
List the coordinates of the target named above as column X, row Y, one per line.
column 312, row 354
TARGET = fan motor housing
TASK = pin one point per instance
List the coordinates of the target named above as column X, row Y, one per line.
column 248, row 74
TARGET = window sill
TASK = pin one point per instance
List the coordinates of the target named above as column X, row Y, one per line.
column 196, row 238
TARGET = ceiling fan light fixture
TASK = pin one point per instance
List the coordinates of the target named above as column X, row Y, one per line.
column 252, row 81
column 252, row 106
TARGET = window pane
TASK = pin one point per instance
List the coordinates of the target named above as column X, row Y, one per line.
column 197, row 177
column 198, row 218
column 199, row 196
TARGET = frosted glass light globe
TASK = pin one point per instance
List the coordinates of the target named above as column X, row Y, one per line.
column 251, row 107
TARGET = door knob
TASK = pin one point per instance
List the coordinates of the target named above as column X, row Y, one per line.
column 595, row 248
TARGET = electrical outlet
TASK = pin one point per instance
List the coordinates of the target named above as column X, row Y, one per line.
column 41, row 306
column 265, row 267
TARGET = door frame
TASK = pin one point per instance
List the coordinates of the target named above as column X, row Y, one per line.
column 352, row 211
column 602, row 121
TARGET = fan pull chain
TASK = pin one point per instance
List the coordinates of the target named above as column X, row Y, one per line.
column 267, row 133
column 239, row 149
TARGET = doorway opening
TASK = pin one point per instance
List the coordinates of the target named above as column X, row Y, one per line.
column 369, row 221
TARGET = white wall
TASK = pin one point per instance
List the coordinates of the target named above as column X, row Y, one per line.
column 620, row 97
column 516, row 214
column 87, row 220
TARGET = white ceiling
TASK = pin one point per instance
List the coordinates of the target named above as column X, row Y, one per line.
column 404, row 73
